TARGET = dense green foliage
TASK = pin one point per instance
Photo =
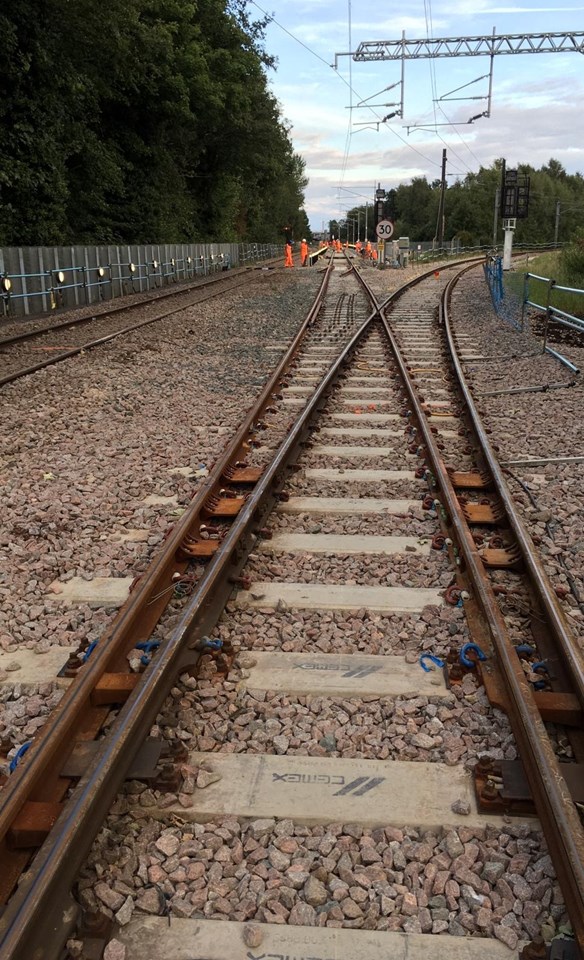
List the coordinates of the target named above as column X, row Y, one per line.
column 470, row 207
column 141, row 121
column 572, row 262
column 550, row 265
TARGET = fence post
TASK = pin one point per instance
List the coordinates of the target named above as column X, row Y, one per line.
column 83, row 273
column 551, row 285
column 525, row 296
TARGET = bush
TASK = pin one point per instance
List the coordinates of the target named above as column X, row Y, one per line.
column 572, row 262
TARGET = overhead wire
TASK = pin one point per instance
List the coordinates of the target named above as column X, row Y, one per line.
column 435, row 98
column 350, row 122
column 378, row 119
column 432, row 67
column 272, row 19
column 347, row 83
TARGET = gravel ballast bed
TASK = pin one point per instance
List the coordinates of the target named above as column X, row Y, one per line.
column 87, row 441
column 367, row 525
column 392, row 461
column 404, row 570
column 550, row 497
column 302, row 486
column 463, row 882
column 454, row 729
column 304, row 631
column 24, row 709
column 373, row 440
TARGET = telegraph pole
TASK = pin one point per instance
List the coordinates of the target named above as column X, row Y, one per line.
column 557, row 226
column 441, row 206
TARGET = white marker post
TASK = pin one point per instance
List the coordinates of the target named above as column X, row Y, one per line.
column 509, row 229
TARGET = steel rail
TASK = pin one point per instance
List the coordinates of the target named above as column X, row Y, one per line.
column 572, row 654
column 556, row 810
column 135, row 620
column 99, row 341
column 36, row 918
column 121, row 307
column 35, row 923
column 551, row 795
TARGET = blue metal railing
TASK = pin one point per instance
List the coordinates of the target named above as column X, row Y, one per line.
column 494, row 277
column 552, row 313
column 506, row 304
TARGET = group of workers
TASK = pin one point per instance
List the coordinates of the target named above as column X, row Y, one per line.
column 289, row 259
column 365, row 250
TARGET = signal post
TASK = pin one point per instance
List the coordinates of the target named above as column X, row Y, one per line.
column 383, row 226
column 514, row 207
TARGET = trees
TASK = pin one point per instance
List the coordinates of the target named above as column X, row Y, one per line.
column 556, row 198
column 138, row 121
column 556, row 204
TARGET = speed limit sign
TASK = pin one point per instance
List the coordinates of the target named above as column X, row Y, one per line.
column 384, row 229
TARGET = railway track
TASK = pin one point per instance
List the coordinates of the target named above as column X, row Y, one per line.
column 44, row 344
column 376, row 574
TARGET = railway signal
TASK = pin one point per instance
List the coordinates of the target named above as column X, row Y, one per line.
column 514, row 206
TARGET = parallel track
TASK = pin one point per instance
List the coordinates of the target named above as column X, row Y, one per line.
column 19, row 352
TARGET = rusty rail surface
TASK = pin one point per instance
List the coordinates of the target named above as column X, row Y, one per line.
column 42, row 808
column 552, row 798
column 554, row 803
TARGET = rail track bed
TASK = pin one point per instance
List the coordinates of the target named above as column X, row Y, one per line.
column 43, row 343
column 372, row 725
column 531, row 403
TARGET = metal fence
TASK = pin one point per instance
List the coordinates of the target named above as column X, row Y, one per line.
column 37, row 280
column 506, row 303
column 511, row 306
column 553, row 313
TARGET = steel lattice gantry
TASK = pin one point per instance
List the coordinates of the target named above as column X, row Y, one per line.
column 513, row 43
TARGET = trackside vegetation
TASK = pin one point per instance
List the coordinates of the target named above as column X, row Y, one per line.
column 556, row 208
column 565, row 266
column 140, row 121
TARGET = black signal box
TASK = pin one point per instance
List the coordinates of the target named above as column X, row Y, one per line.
column 514, row 194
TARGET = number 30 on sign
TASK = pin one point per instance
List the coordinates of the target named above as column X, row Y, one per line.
column 384, row 229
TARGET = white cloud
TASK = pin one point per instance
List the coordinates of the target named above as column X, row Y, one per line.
column 535, row 106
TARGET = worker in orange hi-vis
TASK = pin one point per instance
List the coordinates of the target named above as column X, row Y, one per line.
column 374, row 254
column 304, row 253
column 288, row 262
column 358, row 246
column 367, row 252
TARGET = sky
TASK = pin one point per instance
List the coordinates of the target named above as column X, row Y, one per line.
column 536, row 99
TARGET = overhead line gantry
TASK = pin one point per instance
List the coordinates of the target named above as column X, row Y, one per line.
column 489, row 45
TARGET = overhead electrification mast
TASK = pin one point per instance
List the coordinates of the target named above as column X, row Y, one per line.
column 489, row 45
